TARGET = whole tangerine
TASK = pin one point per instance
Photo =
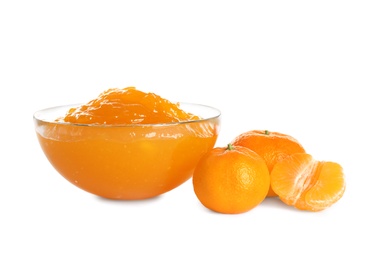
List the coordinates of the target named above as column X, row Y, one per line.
column 271, row 146
column 231, row 180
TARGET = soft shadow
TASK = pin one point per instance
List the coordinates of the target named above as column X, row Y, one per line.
column 275, row 202
column 130, row 202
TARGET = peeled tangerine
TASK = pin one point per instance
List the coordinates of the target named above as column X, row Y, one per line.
column 306, row 183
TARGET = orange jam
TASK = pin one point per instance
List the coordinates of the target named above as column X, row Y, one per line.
column 127, row 106
column 127, row 144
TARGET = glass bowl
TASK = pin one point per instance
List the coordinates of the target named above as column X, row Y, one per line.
column 127, row 162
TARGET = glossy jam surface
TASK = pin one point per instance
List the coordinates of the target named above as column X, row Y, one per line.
column 133, row 161
column 128, row 106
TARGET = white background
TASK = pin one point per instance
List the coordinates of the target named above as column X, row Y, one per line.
column 305, row 68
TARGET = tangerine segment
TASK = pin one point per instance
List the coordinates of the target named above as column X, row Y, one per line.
column 329, row 187
column 306, row 183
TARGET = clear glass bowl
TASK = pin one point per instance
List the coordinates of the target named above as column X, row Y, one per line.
column 127, row 162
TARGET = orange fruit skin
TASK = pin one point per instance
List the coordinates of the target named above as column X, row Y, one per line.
column 271, row 146
column 231, row 181
column 308, row 184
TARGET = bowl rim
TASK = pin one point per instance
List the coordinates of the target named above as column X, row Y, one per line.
column 36, row 118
